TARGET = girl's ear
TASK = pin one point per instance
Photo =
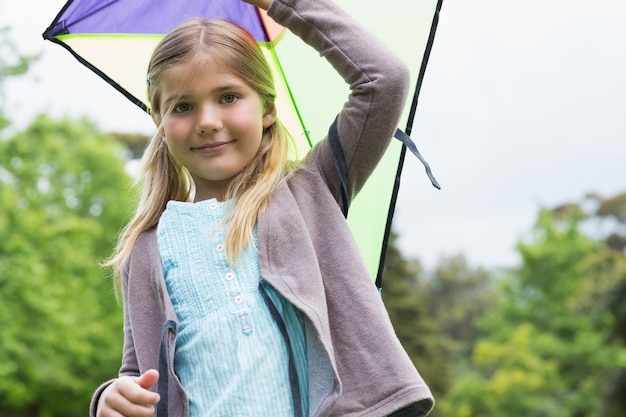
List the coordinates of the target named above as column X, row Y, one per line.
column 269, row 116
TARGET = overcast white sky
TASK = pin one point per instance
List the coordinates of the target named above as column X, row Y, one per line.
column 523, row 105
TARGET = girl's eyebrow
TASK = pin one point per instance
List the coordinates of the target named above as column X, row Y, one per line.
column 228, row 87
column 175, row 98
column 218, row 90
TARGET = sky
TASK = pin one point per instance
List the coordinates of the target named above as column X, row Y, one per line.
column 523, row 106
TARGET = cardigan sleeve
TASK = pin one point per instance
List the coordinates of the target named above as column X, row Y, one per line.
column 378, row 79
column 129, row 358
column 144, row 313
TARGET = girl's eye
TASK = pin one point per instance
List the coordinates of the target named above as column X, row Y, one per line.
column 182, row 107
column 229, row 99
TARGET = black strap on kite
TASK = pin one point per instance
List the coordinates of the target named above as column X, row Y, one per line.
column 408, row 142
column 340, row 161
column 340, row 165
column 394, row 197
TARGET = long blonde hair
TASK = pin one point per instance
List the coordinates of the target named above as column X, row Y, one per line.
column 164, row 179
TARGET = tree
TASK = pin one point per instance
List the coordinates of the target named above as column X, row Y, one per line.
column 612, row 208
column 548, row 348
column 509, row 378
column 65, row 197
column 407, row 309
column 456, row 295
column 12, row 64
column 607, row 291
column 451, row 299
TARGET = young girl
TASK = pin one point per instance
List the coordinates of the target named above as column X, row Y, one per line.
column 244, row 292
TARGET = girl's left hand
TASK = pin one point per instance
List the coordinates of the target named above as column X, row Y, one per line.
column 263, row 4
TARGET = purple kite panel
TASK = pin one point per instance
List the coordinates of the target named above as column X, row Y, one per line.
column 149, row 17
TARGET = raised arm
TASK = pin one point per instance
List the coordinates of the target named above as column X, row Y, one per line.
column 378, row 80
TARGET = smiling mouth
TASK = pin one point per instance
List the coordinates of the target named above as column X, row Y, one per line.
column 212, row 147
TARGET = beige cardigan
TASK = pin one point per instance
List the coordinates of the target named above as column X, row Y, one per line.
column 357, row 366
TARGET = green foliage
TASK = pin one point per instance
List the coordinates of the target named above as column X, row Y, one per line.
column 510, row 379
column 12, row 64
column 407, row 309
column 456, row 296
column 549, row 347
column 613, row 208
column 64, row 199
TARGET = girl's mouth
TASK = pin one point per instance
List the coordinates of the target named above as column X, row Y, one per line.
column 212, row 147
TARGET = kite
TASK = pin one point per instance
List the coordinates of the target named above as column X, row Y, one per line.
column 115, row 38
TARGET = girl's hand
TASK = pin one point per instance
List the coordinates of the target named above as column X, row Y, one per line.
column 129, row 397
column 263, row 4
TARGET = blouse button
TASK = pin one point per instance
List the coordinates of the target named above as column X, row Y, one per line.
column 239, row 299
column 213, row 206
column 230, row 276
column 220, row 247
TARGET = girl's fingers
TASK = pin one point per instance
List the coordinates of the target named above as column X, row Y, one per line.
column 148, row 379
column 126, row 397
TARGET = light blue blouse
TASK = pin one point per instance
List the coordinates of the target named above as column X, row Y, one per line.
column 230, row 355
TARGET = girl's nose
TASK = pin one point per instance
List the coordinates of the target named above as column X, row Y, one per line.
column 209, row 120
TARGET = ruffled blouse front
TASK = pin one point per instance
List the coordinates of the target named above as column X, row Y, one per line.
column 230, row 355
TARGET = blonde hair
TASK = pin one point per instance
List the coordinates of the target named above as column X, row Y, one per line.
column 164, row 179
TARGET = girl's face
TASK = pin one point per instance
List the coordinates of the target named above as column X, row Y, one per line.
column 216, row 125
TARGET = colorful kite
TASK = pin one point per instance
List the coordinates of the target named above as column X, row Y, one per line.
column 115, row 38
